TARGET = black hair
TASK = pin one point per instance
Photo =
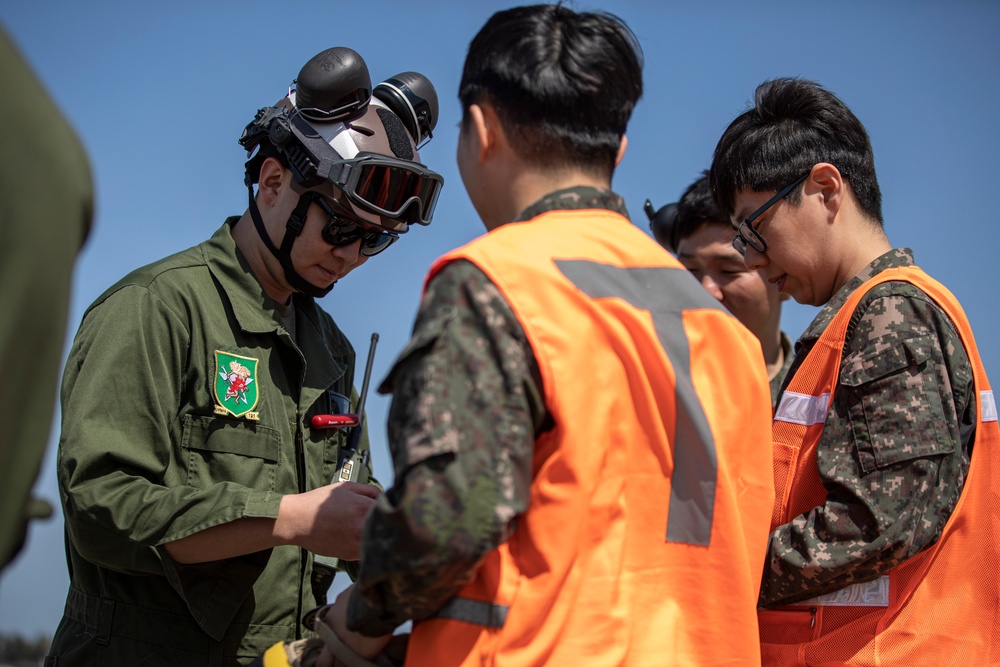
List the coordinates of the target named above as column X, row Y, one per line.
column 695, row 209
column 563, row 83
column 793, row 125
column 677, row 221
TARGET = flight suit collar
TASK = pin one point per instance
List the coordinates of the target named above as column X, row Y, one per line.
column 256, row 311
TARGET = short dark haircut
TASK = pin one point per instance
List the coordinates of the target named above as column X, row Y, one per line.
column 794, row 124
column 563, row 83
column 695, row 209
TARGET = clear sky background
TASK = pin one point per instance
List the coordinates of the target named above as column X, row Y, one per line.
column 160, row 92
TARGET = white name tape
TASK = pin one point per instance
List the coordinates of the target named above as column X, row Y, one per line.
column 869, row 594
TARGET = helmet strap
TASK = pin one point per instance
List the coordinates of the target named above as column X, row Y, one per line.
column 296, row 222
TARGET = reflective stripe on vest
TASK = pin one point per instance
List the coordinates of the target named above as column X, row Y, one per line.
column 802, row 409
column 666, row 293
column 989, row 406
column 477, row 612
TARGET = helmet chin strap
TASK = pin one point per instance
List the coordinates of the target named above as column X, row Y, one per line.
column 296, row 221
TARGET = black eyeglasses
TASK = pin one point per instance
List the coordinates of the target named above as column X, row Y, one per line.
column 342, row 231
column 747, row 234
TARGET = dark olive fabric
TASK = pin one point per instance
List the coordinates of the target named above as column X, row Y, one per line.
column 46, row 204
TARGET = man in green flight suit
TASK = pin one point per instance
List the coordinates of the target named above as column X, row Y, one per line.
column 45, row 222
column 193, row 467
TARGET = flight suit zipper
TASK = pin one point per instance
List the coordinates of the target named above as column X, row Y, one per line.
column 300, row 473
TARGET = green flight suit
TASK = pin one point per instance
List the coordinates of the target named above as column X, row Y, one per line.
column 46, row 206
column 146, row 458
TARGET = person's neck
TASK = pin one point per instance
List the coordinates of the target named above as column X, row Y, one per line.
column 774, row 355
column 525, row 186
column 263, row 264
column 860, row 243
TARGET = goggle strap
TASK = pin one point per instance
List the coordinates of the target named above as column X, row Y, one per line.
column 284, row 258
column 296, row 222
column 259, row 224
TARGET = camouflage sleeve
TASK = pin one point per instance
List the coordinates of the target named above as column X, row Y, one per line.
column 466, row 401
column 893, row 455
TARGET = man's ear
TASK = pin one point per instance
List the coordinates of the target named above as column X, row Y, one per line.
column 487, row 130
column 621, row 150
column 272, row 178
column 827, row 180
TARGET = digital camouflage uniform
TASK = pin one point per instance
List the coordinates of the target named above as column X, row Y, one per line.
column 187, row 404
column 47, row 205
column 467, row 376
column 895, row 448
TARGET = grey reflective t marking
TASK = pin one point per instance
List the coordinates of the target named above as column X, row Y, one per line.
column 487, row 614
column 666, row 293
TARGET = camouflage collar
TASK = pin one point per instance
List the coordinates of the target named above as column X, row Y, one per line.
column 895, row 258
column 575, row 199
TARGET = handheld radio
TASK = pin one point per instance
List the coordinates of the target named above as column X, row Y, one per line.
column 350, row 465
column 349, row 462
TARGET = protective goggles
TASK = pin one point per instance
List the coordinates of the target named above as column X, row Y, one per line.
column 396, row 189
column 342, row 231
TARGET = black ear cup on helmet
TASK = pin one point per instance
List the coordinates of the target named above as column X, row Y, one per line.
column 334, row 84
column 661, row 223
column 411, row 96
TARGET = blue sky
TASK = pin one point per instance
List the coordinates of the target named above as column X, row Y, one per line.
column 159, row 93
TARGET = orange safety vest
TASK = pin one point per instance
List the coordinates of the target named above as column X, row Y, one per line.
column 939, row 607
column 646, row 529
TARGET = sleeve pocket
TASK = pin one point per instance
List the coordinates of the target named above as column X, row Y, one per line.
column 878, row 363
column 895, row 406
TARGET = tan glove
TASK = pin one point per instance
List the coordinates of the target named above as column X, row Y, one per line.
column 339, row 654
column 302, row 653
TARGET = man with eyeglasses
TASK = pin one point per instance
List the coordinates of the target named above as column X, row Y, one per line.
column 701, row 238
column 195, row 480
column 885, row 435
column 582, row 465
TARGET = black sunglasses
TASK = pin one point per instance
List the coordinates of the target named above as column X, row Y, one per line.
column 341, row 231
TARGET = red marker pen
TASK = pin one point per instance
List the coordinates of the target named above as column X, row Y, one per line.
column 334, row 421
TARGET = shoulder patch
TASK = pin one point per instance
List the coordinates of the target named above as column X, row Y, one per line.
column 236, row 386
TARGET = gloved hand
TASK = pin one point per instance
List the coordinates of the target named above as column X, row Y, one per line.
column 337, row 646
column 302, row 653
